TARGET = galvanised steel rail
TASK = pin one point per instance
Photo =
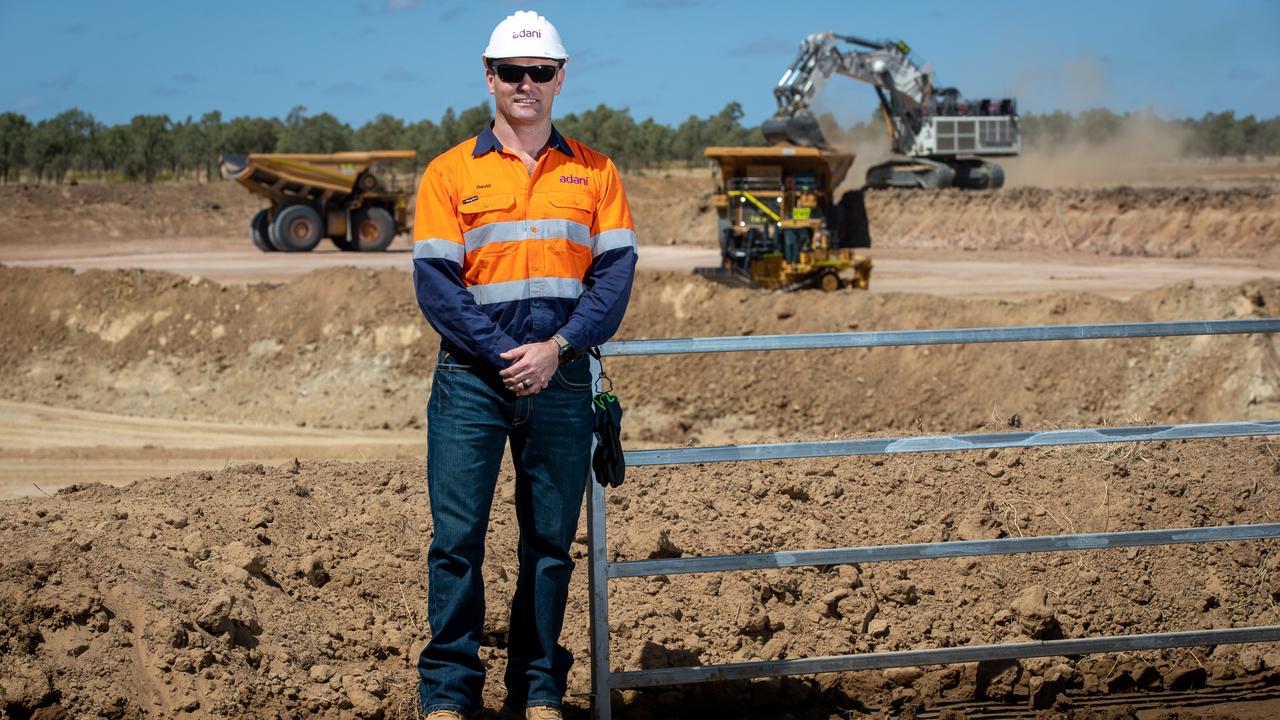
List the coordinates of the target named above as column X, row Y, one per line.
column 942, row 656
column 935, row 551
column 959, row 336
column 943, row 443
column 600, row 570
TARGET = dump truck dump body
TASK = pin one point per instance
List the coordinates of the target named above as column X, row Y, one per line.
column 320, row 195
column 777, row 222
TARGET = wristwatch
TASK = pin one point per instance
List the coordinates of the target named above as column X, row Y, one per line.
column 566, row 350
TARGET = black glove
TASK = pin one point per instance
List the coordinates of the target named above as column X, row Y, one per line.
column 607, row 462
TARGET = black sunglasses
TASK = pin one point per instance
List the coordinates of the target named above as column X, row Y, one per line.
column 515, row 73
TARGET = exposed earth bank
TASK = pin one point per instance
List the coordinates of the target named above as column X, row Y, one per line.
column 346, row 348
column 298, row 590
column 675, row 209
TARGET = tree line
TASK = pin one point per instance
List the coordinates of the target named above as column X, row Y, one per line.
column 148, row 147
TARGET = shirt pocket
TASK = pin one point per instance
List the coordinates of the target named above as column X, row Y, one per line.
column 575, row 207
column 474, row 214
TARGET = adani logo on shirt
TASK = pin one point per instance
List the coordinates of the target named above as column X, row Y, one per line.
column 573, row 180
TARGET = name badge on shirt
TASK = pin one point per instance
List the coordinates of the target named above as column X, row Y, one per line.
column 473, row 198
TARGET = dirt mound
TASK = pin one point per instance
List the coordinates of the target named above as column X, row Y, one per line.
column 1155, row 222
column 343, row 348
column 347, row 348
column 97, row 214
column 669, row 208
column 708, row 398
column 299, row 591
column 674, row 209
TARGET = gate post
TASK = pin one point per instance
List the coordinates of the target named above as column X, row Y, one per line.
column 598, row 590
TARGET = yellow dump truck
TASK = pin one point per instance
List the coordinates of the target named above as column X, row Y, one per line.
column 779, row 224
column 315, row 195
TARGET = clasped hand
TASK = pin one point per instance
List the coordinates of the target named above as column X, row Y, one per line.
column 531, row 368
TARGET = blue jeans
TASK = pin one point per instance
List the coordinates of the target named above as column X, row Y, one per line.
column 470, row 417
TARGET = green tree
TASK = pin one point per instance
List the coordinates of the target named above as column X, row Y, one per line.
column 426, row 138
column 1269, row 137
column 653, row 142
column 114, row 147
column 384, row 132
column 150, row 147
column 1249, row 131
column 690, row 140
column 245, row 135
column 1216, row 135
column 14, row 131
column 190, row 147
column 321, row 133
column 211, row 127
column 612, row 132
column 58, row 144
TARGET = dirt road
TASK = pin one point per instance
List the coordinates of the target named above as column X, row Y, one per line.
column 942, row 272
column 44, row 448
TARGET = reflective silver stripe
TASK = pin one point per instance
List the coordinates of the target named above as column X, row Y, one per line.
column 510, row 231
column 556, row 228
column 435, row 248
column 612, row 240
column 491, row 233
column 525, row 289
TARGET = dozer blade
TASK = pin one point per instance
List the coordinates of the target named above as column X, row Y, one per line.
column 799, row 129
column 725, row 276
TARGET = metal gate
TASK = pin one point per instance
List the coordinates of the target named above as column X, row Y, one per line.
column 600, row 570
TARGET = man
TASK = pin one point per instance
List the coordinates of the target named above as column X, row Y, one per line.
column 523, row 258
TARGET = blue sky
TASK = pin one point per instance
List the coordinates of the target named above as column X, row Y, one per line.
column 661, row 58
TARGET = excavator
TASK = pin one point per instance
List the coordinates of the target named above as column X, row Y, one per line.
column 937, row 135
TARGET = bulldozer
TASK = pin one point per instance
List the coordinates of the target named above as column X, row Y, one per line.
column 778, row 224
column 319, row 195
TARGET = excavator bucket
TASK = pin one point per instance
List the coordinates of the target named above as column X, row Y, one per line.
column 799, row 129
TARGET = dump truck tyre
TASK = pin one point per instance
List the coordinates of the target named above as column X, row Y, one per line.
column 374, row 229
column 297, row 228
column 260, row 229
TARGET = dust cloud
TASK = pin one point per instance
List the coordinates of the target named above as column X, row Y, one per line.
column 1143, row 148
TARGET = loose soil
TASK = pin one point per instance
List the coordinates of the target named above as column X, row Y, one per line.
column 298, row 589
column 263, row 586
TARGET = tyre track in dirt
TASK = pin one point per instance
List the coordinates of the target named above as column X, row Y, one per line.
column 44, row 448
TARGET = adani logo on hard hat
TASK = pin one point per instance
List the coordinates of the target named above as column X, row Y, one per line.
column 525, row 34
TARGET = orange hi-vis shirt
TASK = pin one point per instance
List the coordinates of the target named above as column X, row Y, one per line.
column 502, row 258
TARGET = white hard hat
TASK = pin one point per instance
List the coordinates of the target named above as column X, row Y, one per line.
column 525, row 34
